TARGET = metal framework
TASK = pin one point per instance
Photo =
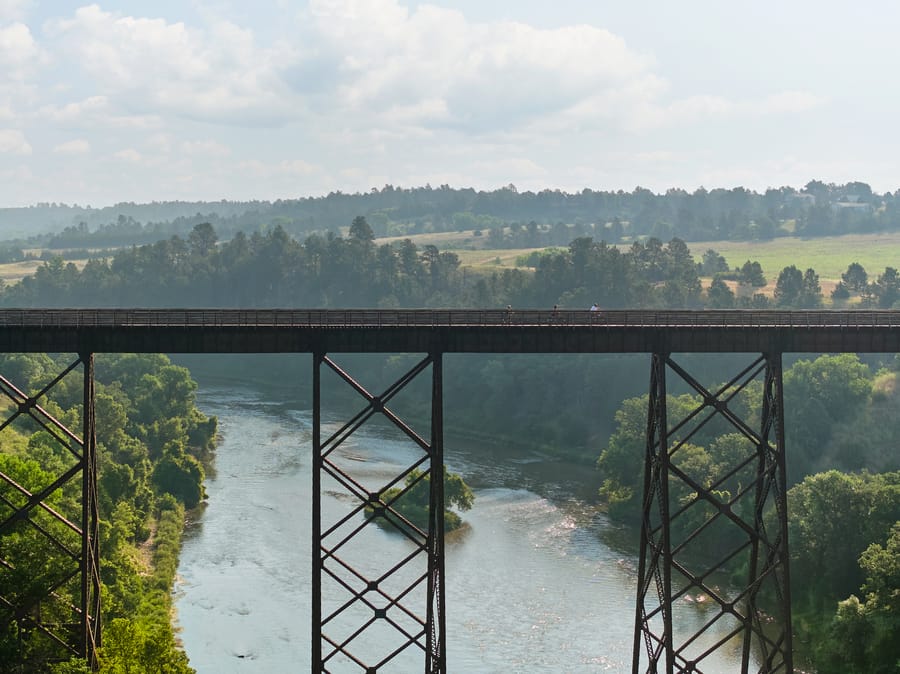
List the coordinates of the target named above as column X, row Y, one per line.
column 51, row 522
column 363, row 599
column 692, row 529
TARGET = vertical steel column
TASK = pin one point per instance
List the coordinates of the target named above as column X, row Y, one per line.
column 782, row 563
column 436, row 647
column 367, row 620
column 654, row 566
column 771, row 490
column 316, row 546
column 90, row 523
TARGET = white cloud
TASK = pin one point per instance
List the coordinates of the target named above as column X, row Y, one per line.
column 357, row 93
column 13, row 10
column 76, row 112
column 12, row 141
column 211, row 74
column 129, row 155
column 19, row 53
column 698, row 109
column 287, row 168
column 790, row 102
column 160, row 142
column 98, row 112
column 205, row 148
column 297, row 167
column 77, row 146
column 434, row 67
column 511, row 169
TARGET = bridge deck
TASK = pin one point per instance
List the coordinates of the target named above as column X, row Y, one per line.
column 449, row 331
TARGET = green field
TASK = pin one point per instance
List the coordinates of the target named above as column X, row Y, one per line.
column 829, row 256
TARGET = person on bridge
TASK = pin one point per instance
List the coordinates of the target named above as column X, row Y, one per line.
column 595, row 307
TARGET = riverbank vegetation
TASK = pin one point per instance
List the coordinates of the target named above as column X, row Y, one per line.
column 412, row 499
column 150, row 443
column 841, row 410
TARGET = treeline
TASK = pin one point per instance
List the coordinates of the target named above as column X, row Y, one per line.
column 151, row 440
column 509, row 218
column 274, row 269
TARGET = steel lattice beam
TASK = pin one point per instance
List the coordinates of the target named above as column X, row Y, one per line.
column 54, row 614
column 694, row 528
column 378, row 600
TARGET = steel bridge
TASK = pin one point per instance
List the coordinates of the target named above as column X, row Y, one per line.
column 407, row 612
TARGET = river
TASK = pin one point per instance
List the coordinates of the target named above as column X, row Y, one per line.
column 532, row 582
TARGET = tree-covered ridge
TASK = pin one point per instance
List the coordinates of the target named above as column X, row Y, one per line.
column 332, row 271
column 510, row 217
column 150, row 443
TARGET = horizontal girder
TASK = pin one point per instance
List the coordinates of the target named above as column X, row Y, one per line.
column 447, row 331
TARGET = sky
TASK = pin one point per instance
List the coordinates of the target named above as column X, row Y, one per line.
column 276, row 99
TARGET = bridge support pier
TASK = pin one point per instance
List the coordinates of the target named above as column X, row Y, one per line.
column 50, row 521
column 363, row 613
column 709, row 515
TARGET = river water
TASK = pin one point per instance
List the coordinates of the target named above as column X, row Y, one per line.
column 532, row 582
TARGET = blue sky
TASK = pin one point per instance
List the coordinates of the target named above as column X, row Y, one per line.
column 219, row 99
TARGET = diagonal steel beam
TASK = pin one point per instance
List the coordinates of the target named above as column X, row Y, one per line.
column 363, row 588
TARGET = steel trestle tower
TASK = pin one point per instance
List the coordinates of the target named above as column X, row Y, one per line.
column 56, row 615
column 692, row 531
column 364, row 599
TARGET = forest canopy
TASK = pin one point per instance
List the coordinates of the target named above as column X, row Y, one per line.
column 508, row 216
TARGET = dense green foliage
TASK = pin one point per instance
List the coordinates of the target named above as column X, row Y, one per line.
column 411, row 501
column 150, row 442
column 845, row 538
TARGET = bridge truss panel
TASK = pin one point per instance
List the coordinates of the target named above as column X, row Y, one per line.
column 49, row 520
column 708, row 511
column 378, row 571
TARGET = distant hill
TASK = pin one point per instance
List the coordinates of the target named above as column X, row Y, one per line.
column 513, row 218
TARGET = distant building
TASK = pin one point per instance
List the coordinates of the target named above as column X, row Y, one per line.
column 851, row 206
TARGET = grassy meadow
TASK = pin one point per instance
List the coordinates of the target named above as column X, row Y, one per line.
column 829, row 256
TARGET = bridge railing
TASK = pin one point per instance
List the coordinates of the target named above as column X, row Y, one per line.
column 388, row 318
